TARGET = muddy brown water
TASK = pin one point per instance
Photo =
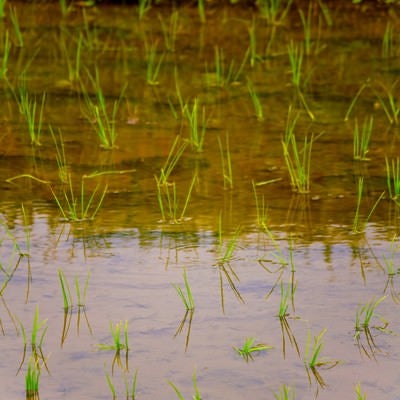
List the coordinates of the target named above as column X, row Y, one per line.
column 134, row 257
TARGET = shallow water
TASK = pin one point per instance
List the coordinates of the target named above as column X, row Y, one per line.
column 134, row 256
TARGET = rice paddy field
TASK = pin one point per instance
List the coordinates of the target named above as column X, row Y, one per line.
column 200, row 201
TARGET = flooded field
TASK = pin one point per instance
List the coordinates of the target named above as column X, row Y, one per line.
column 200, row 202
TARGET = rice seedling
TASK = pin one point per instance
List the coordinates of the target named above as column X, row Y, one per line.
column 226, row 252
column 299, row 167
column 312, row 359
column 253, row 44
column 274, row 11
column 37, row 341
column 355, row 99
column 168, row 200
column 255, row 100
column 174, row 156
column 117, row 344
column 389, row 104
column 98, row 116
column 60, row 156
column 360, row 396
column 226, row 162
column 170, row 30
column 153, row 65
column 67, row 298
column 393, row 178
column 2, row 7
column 249, row 348
column 201, row 11
column 358, row 226
column 6, row 54
column 197, row 124
column 28, row 108
column 130, row 391
column 361, row 140
column 388, row 45
column 365, row 313
column 32, row 377
column 295, row 53
column 287, row 295
column 64, row 7
column 285, row 393
column 196, row 395
column 261, row 208
column 390, row 260
column 143, row 7
column 78, row 207
column 15, row 24
column 187, row 299
column 222, row 76
column 73, row 65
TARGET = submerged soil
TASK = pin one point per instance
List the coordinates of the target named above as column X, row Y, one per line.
column 238, row 227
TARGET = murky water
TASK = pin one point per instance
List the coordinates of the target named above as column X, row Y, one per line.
column 133, row 253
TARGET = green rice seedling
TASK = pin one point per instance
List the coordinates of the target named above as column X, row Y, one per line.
column 226, row 162
column 174, row 156
column 81, row 296
column 358, row 226
column 32, row 379
column 67, row 298
column 187, row 299
column 287, row 295
column 261, row 208
column 131, row 393
column 274, row 11
column 111, row 386
column 249, row 348
column 73, row 65
column 168, row 200
column 360, row 396
column 299, row 166
column 393, row 178
column 153, row 65
column 307, row 28
column 355, row 99
column 296, row 54
column 27, row 233
column 255, row 100
column 98, row 115
column 390, row 260
column 253, row 44
column 201, row 10
column 197, row 124
column 143, row 7
column 365, row 313
column 117, row 344
column 224, row 77
column 64, row 7
column 15, row 24
column 60, row 156
column 285, row 393
column 78, row 207
column 37, row 341
column 312, row 352
column 2, row 7
column 170, row 30
column 196, row 395
column 361, row 140
column 312, row 359
column 6, row 55
column 388, row 45
column 28, row 108
column 390, row 103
